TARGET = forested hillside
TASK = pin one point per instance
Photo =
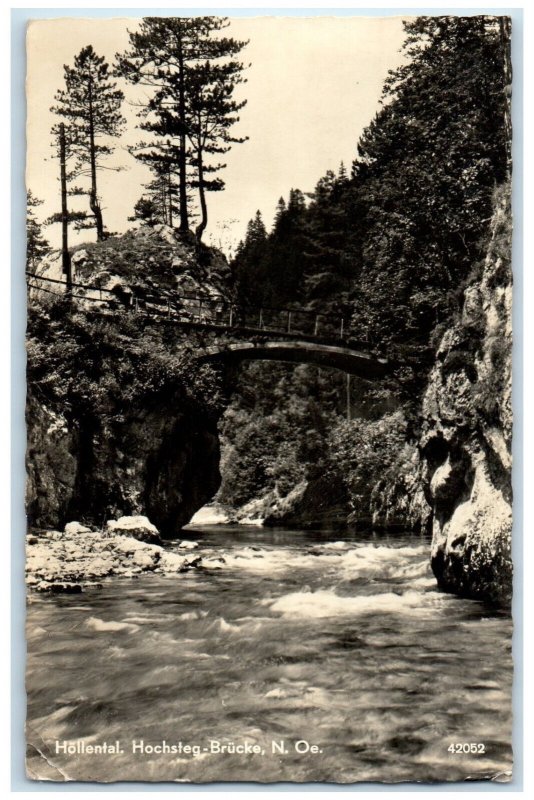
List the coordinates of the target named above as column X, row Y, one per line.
column 391, row 247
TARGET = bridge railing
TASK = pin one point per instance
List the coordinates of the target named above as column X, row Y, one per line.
column 294, row 320
column 209, row 310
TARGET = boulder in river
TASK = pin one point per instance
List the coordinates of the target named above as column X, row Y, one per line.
column 186, row 544
column 138, row 527
column 73, row 528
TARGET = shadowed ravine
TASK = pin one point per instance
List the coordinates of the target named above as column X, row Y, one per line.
column 347, row 645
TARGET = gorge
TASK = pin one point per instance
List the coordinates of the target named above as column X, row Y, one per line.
column 411, row 250
column 126, row 426
column 269, row 490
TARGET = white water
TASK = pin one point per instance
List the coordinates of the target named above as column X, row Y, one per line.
column 347, row 644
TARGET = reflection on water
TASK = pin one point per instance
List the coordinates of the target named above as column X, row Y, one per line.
column 346, row 645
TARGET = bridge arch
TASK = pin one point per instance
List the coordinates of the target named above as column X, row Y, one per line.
column 340, row 357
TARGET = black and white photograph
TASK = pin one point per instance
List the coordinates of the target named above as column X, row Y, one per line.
column 269, row 398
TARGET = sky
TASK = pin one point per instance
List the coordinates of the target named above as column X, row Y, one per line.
column 312, row 86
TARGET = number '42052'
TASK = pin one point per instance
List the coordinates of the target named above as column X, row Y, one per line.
column 467, row 747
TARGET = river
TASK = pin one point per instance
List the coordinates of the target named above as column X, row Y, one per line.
column 339, row 660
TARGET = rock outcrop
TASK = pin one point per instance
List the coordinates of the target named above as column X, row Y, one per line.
column 145, row 263
column 320, row 503
column 121, row 419
column 161, row 461
column 467, row 432
column 398, row 501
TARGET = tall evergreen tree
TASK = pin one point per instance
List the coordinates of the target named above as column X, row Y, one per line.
column 327, row 273
column 286, row 248
column 91, row 104
column 279, row 213
column 37, row 246
column 65, row 153
column 191, row 104
column 213, row 112
column 248, row 264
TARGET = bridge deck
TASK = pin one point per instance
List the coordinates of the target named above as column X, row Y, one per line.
column 333, row 348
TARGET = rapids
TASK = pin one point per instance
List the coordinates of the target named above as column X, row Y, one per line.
column 284, row 637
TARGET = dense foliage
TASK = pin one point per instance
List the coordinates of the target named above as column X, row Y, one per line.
column 424, row 178
column 91, row 365
column 393, row 246
column 275, row 431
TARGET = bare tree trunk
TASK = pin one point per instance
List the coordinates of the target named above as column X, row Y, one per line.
column 93, row 196
column 169, row 191
column 163, row 199
column 202, row 195
column 184, row 218
column 65, row 255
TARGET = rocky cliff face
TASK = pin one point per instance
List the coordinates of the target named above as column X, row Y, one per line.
column 121, row 420
column 161, row 461
column 398, row 500
column 467, row 432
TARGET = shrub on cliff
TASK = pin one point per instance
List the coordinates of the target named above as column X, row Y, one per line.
column 364, row 451
column 99, row 365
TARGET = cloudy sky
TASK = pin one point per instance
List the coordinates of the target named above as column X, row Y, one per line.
column 312, row 86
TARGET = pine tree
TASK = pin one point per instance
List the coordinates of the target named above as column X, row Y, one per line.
column 248, row 264
column 91, row 104
column 212, row 114
column 286, row 248
column 279, row 213
column 327, row 275
column 147, row 211
column 163, row 189
column 191, row 105
column 342, row 175
column 37, row 246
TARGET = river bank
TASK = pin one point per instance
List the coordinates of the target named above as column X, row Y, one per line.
column 79, row 558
